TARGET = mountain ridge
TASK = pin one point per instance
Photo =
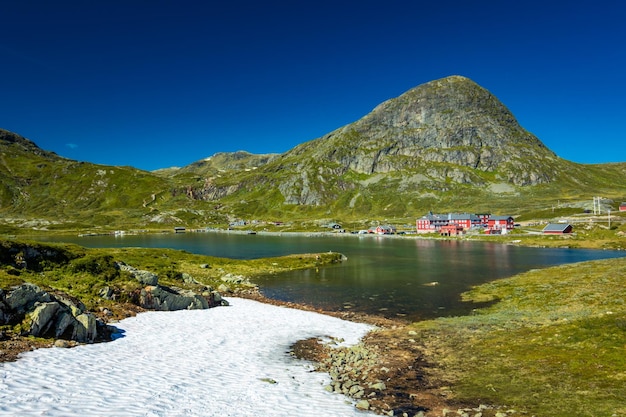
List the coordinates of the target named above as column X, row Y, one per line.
column 448, row 144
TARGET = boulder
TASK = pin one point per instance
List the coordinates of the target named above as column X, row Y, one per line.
column 42, row 314
column 168, row 299
column 23, row 297
column 145, row 277
column 59, row 320
column 42, row 318
column 85, row 328
column 188, row 279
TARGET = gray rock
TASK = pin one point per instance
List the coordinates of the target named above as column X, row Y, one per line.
column 107, row 293
column 168, row 299
column 85, row 330
column 61, row 318
column 23, row 297
column 223, row 288
column 233, row 279
column 42, row 318
column 62, row 343
column 188, row 279
column 145, row 277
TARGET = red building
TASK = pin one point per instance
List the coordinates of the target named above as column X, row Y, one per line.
column 622, row 207
column 434, row 222
column 500, row 223
column 384, row 230
column 451, row 230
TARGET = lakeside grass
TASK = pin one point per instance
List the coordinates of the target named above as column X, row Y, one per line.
column 552, row 344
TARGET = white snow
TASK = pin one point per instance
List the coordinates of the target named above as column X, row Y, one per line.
column 205, row 363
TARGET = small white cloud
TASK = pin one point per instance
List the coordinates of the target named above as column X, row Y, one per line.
column 71, row 145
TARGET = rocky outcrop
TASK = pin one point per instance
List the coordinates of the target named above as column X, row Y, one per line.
column 42, row 314
column 144, row 277
column 162, row 298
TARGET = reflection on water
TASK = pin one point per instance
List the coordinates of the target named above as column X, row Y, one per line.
column 418, row 278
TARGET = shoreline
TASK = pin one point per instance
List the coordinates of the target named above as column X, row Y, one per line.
column 384, row 366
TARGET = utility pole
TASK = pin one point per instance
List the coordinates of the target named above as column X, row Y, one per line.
column 596, row 205
column 609, row 219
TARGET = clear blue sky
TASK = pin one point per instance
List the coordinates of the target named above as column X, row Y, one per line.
column 154, row 83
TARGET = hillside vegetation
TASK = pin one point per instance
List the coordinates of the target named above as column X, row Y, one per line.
column 445, row 146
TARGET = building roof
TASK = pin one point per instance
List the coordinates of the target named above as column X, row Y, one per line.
column 556, row 227
column 462, row 216
column 500, row 218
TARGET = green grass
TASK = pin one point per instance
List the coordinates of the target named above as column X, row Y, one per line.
column 553, row 344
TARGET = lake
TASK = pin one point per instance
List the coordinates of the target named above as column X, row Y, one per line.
column 404, row 276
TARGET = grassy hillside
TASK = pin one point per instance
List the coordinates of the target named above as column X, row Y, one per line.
column 445, row 146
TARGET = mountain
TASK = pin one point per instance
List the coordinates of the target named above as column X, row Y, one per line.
column 447, row 145
column 452, row 121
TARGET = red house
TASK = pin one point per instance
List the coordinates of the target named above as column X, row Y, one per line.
column 385, row 230
column 500, row 223
column 431, row 223
column 451, row 230
column 622, row 207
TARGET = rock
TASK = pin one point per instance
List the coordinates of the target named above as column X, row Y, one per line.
column 107, row 293
column 60, row 343
column 188, row 279
column 224, row 288
column 167, row 299
column 380, row 386
column 42, row 318
column 59, row 317
column 23, row 297
column 363, row 405
column 85, row 331
column 146, row 277
column 233, row 279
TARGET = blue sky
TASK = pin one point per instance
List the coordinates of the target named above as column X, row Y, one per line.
column 154, row 84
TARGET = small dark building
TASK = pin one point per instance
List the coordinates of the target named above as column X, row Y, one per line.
column 557, row 228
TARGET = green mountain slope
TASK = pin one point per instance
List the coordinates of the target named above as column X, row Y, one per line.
column 447, row 145
column 43, row 189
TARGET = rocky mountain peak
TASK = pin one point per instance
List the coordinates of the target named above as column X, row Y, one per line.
column 448, row 121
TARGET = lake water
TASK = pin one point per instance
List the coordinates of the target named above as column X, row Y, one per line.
column 409, row 277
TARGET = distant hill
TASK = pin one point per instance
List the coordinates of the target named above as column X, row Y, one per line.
column 447, row 145
column 42, row 190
